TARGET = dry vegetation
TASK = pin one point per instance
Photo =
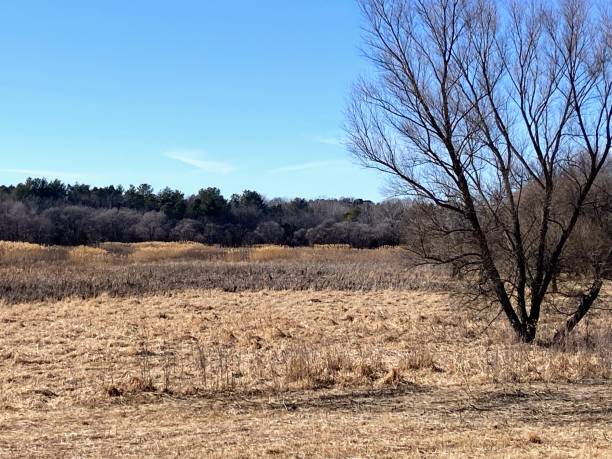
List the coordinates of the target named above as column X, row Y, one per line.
column 376, row 368
column 30, row 272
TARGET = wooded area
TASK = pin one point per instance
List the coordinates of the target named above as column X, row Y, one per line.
column 51, row 212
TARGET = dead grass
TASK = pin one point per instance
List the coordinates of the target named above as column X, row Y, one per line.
column 84, row 254
column 39, row 273
column 19, row 253
column 285, row 357
column 291, row 373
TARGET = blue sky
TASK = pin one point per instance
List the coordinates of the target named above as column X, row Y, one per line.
column 240, row 95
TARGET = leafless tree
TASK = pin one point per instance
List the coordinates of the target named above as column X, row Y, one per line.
column 497, row 118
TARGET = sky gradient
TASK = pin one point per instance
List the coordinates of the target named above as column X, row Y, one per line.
column 239, row 95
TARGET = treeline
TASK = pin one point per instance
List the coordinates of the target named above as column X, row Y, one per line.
column 52, row 212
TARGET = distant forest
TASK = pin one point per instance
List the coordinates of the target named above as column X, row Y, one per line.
column 52, row 212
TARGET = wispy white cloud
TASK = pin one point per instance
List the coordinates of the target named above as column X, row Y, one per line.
column 37, row 173
column 325, row 140
column 192, row 158
column 309, row 165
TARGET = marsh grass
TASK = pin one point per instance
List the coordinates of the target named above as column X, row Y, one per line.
column 36, row 273
column 149, row 252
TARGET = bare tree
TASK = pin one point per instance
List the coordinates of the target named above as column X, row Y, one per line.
column 497, row 118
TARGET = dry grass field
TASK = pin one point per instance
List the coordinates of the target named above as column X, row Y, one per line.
column 182, row 350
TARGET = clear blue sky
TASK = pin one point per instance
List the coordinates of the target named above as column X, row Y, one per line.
column 243, row 94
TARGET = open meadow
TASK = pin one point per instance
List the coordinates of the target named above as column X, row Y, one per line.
column 187, row 350
column 328, row 229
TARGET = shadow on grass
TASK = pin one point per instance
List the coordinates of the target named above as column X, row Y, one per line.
column 586, row 402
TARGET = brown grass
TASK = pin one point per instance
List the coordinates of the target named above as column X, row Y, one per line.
column 119, row 270
column 321, row 372
column 18, row 253
column 368, row 365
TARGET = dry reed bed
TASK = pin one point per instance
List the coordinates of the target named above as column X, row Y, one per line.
column 23, row 253
column 42, row 281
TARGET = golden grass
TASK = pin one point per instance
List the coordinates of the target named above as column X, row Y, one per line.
column 268, row 253
column 7, row 247
column 146, row 252
column 14, row 252
column 155, row 251
column 383, row 373
column 84, row 254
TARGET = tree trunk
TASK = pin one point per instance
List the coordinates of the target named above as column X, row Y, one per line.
column 585, row 304
column 531, row 329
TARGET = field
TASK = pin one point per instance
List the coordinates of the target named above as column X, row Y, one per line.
column 184, row 350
